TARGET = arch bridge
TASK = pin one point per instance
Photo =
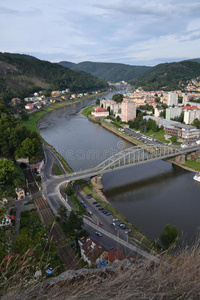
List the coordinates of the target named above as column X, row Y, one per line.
column 132, row 156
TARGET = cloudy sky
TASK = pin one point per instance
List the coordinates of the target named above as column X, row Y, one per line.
column 135, row 32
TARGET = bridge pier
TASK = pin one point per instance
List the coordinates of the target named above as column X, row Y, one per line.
column 179, row 159
column 97, row 180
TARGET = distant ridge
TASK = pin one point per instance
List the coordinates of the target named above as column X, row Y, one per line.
column 113, row 72
column 167, row 76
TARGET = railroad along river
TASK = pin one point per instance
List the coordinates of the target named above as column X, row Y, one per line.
column 149, row 195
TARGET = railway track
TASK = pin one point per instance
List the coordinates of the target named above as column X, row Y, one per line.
column 31, row 183
column 68, row 258
column 56, row 234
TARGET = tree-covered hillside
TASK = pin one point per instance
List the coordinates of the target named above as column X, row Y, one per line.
column 112, row 72
column 196, row 60
column 169, row 76
column 24, row 74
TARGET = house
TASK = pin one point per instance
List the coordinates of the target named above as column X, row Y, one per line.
column 29, row 106
column 99, row 112
column 91, row 251
column 20, row 193
column 15, row 101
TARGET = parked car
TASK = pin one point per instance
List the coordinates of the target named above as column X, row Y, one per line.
column 94, row 202
column 89, row 212
column 98, row 233
column 100, row 223
column 89, row 196
column 108, row 214
column 98, row 205
column 114, row 220
column 84, row 205
column 127, row 231
column 82, row 202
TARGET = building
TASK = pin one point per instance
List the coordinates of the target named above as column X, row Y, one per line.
column 115, row 108
column 191, row 113
column 100, row 112
column 173, row 112
column 29, row 106
column 158, row 110
column 172, row 99
column 91, row 251
column 20, row 193
column 184, row 132
column 128, row 110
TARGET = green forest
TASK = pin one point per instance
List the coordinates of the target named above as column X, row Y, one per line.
column 169, row 76
column 113, row 72
column 21, row 75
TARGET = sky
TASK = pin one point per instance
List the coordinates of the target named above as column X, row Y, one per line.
column 134, row 32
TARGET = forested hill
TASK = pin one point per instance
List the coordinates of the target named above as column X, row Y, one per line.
column 169, row 76
column 21, row 75
column 113, row 72
column 196, row 60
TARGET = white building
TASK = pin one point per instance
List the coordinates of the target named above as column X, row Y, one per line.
column 100, row 112
column 190, row 115
column 173, row 112
column 172, row 99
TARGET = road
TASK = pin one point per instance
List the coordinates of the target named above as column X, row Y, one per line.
column 111, row 237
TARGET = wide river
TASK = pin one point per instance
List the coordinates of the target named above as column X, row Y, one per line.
column 149, row 195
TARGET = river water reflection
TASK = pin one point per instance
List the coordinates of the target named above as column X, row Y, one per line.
column 149, row 195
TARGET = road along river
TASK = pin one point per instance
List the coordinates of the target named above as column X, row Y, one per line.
column 149, row 196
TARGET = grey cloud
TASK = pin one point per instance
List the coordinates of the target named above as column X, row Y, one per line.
column 153, row 8
column 8, row 11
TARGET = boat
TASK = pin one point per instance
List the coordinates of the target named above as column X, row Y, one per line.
column 197, row 177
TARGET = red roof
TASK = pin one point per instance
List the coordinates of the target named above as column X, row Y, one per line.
column 114, row 254
column 100, row 109
column 190, row 107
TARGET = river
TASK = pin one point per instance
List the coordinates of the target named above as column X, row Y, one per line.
column 149, row 195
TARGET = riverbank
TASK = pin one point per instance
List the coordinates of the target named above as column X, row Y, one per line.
column 195, row 165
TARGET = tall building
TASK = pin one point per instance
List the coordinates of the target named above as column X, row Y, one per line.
column 173, row 112
column 172, row 99
column 128, row 110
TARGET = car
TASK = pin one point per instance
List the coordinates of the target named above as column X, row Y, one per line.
column 84, row 205
column 120, row 223
column 114, row 220
column 89, row 212
column 105, row 212
column 123, row 226
column 127, row 231
column 94, row 202
column 112, row 224
column 89, row 196
column 100, row 223
column 101, row 208
column 108, row 214
column 82, row 202
column 98, row 205
column 98, row 233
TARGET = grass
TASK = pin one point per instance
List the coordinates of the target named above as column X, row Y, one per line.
column 192, row 164
column 158, row 135
column 87, row 111
column 174, row 278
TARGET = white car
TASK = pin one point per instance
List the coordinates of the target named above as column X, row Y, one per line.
column 114, row 220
